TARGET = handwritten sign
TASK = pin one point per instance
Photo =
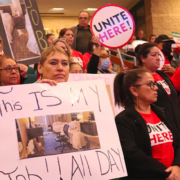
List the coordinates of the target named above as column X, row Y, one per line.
column 42, row 100
column 22, row 31
column 114, row 25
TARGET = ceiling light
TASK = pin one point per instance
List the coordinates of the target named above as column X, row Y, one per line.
column 58, row 8
column 91, row 9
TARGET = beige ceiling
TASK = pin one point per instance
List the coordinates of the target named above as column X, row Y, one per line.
column 73, row 7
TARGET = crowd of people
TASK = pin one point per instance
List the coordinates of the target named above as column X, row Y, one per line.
column 149, row 125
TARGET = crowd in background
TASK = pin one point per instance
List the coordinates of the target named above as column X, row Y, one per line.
column 149, row 125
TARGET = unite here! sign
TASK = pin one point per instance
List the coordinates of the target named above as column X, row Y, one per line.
column 114, row 25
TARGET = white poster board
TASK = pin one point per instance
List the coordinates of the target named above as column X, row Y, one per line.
column 43, row 100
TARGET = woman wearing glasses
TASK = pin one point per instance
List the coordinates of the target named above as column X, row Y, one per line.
column 148, row 58
column 149, row 139
column 9, row 71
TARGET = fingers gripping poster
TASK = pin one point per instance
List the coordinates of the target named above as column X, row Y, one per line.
column 63, row 132
column 21, row 31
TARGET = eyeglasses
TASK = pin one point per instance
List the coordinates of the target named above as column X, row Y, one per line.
column 151, row 84
column 9, row 69
column 85, row 18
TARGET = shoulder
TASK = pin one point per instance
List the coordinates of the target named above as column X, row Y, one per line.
column 163, row 75
column 76, row 53
column 74, row 28
column 122, row 116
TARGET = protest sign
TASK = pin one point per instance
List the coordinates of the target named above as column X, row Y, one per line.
column 109, row 81
column 73, row 122
column 176, row 37
column 114, row 25
column 21, row 30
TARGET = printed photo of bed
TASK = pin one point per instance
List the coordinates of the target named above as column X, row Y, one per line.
column 18, row 29
column 57, row 134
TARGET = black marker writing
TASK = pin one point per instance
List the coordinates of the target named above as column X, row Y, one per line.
column 8, row 174
column 59, row 100
column 100, row 163
column 88, row 165
column 77, row 168
column 118, row 153
column 37, row 100
column 7, row 92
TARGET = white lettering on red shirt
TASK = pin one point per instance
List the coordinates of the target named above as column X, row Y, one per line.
column 161, row 139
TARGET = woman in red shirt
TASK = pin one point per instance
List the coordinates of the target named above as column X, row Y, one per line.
column 76, row 55
column 149, row 139
column 148, row 58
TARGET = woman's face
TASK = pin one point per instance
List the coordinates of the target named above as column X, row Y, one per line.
column 75, row 68
column 9, row 76
column 152, row 61
column 144, row 89
column 69, row 37
column 50, row 40
column 61, row 45
column 56, row 67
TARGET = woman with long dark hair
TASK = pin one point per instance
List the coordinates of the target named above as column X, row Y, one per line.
column 150, row 139
column 148, row 58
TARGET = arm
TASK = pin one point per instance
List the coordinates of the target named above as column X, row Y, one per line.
column 92, row 66
column 138, row 163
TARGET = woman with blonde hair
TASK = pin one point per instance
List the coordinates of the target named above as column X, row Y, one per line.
column 54, row 65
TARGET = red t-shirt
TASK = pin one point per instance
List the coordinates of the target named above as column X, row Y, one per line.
column 161, row 139
column 86, row 58
column 162, row 82
column 78, row 58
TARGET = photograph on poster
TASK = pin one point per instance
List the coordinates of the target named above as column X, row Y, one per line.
column 18, row 28
column 57, row 134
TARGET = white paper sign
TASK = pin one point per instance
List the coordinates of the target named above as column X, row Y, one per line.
column 100, row 157
column 114, row 25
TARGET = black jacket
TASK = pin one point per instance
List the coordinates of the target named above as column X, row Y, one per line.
column 169, row 103
column 136, row 145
